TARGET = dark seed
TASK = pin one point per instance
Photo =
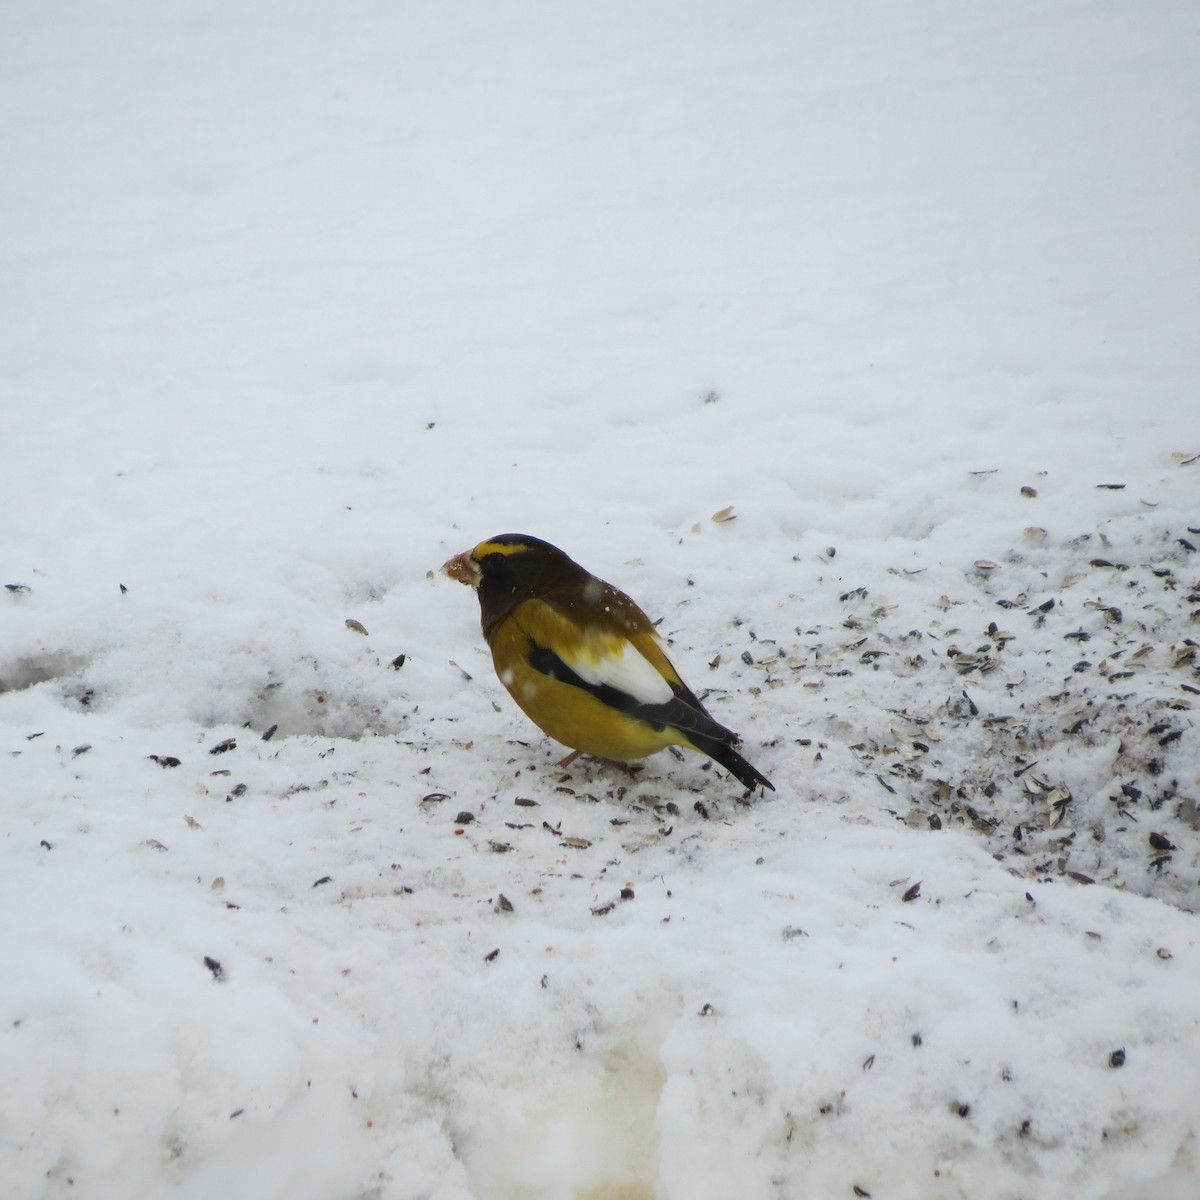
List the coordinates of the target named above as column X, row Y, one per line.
column 1117, row 1058
column 860, row 1191
column 218, row 972
column 224, row 746
column 270, row 733
column 492, row 955
column 323, row 879
column 1159, row 841
column 81, row 750
column 913, row 892
column 398, row 661
column 464, row 818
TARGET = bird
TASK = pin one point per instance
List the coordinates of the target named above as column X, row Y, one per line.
column 583, row 661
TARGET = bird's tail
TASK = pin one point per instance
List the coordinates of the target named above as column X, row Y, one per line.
column 724, row 753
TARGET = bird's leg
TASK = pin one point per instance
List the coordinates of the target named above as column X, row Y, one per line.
column 631, row 769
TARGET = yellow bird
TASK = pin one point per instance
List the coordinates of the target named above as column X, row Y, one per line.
column 583, row 661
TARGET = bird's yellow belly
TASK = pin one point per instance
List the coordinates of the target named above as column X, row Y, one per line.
column 576, row 718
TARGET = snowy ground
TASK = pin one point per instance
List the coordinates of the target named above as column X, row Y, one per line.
column 300, row 299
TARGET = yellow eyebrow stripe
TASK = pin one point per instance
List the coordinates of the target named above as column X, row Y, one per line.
column 486, row 548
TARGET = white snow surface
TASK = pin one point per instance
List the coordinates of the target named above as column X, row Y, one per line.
column 299, row 299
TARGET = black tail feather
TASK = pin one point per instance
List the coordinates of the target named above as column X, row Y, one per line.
column 724, row 753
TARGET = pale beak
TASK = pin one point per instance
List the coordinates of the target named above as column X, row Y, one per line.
column 463, row 568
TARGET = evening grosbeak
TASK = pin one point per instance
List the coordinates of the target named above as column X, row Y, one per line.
column 583, row 661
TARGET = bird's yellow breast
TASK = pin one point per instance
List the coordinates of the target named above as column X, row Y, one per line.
column 568, row 713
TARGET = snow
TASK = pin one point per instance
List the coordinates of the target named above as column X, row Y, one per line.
column 300, row 300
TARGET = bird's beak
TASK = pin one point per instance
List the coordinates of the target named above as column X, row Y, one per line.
column 463, row 568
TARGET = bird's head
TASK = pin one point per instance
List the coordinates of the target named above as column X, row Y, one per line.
column 509, row 568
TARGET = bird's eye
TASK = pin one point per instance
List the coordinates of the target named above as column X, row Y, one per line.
column 497, row 550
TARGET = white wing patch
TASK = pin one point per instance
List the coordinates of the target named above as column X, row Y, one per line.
column 623, row 667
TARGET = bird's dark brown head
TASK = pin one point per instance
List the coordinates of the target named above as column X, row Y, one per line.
column 509, row 568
